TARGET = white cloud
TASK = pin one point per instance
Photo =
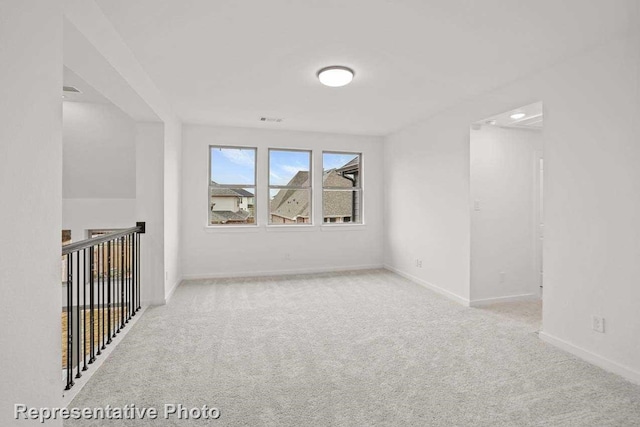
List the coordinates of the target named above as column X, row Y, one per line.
column 239, row 157
column 275, row 176
column 277, row 179
column 292, row 170
column 333, row 161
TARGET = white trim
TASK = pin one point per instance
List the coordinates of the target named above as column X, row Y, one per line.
column 430, row 286
column 291, row 227
column 169, row 294
column 343, row 227
column 595, row 359
column 69, row 395
column 509, row 298
column 249, row 228
column 281, row 272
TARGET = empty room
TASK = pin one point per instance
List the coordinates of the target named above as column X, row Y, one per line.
column 305, row 213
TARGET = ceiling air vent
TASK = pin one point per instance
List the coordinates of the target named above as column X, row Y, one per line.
column 271, row 119
column 70, row 89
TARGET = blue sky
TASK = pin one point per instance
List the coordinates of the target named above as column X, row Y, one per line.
column 236, row 165
column 233, row 166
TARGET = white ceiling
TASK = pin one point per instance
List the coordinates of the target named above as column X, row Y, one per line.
column 231, row 62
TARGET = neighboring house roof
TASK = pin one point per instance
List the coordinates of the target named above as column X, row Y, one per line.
column 337, row 203
column 352, row 167
column 228, row 216
column 293, row 204
column 229, row 192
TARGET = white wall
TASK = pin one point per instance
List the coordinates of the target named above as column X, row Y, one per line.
column 208, row 252
column 504, row 163
column 428, row 164
column 81, row 215
column 31, row 194
column 99, row 156
column 99, row 168
column 592, row 182
column 172, row 205
column 150, row 209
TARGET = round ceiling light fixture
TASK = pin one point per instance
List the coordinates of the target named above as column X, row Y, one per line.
column 335, row 76
column 517, row 116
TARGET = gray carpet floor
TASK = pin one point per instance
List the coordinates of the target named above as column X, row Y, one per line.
column 365, row 348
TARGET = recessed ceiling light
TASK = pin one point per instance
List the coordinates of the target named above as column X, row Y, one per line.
column 516, row 116
column 491, row 122
column 335, row 76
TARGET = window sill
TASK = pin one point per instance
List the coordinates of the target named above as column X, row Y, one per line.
column 291, row 227
column 343, row 227
column 232, row 228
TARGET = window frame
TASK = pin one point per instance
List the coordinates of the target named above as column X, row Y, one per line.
column 290, row 187
column 359, row 188
column 233, row 186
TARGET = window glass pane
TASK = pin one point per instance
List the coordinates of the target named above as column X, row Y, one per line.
column 289, row 206
column 342, row 206
column 289, row 168
column 233, row 166
column 231, row 205
column 341, row 169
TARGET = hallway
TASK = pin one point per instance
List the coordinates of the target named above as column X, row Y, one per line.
column 349, row 349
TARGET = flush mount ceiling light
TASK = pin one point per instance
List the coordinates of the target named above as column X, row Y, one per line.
column 517, row 116
column 335, row 76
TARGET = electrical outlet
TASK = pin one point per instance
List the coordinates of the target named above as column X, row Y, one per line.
column 287, row 256
column 419, row 263
column 476, row 205
column 502, row 276
column 597, row 323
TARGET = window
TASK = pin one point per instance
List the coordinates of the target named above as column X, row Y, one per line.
column 290, row 187
column 342, row 187
column 232, row 185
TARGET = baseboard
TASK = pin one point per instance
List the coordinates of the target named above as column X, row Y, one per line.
column 496, row 300
column 169, row 294
column 69, row 395
column 604, row 363
column 430, row 286
column 267, row 273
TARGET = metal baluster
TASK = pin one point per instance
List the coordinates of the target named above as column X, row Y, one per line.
column 127, row 272
column 84, row 309
column 133, row 274
column 122, row 282
column 117, row 291
column 78, row 375
column 129, row 281
column 69, row 321
column 109, row 292
column 91, row 304
column 138, row 270
column 116, row 259
column 100, row 299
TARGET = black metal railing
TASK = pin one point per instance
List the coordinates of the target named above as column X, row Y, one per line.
column 102, row 293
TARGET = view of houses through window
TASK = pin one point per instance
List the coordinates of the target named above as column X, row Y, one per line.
column 232, row 186
column 341, row 188
column 289, row 187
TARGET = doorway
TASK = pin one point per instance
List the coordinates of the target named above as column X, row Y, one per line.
column 507, row 221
